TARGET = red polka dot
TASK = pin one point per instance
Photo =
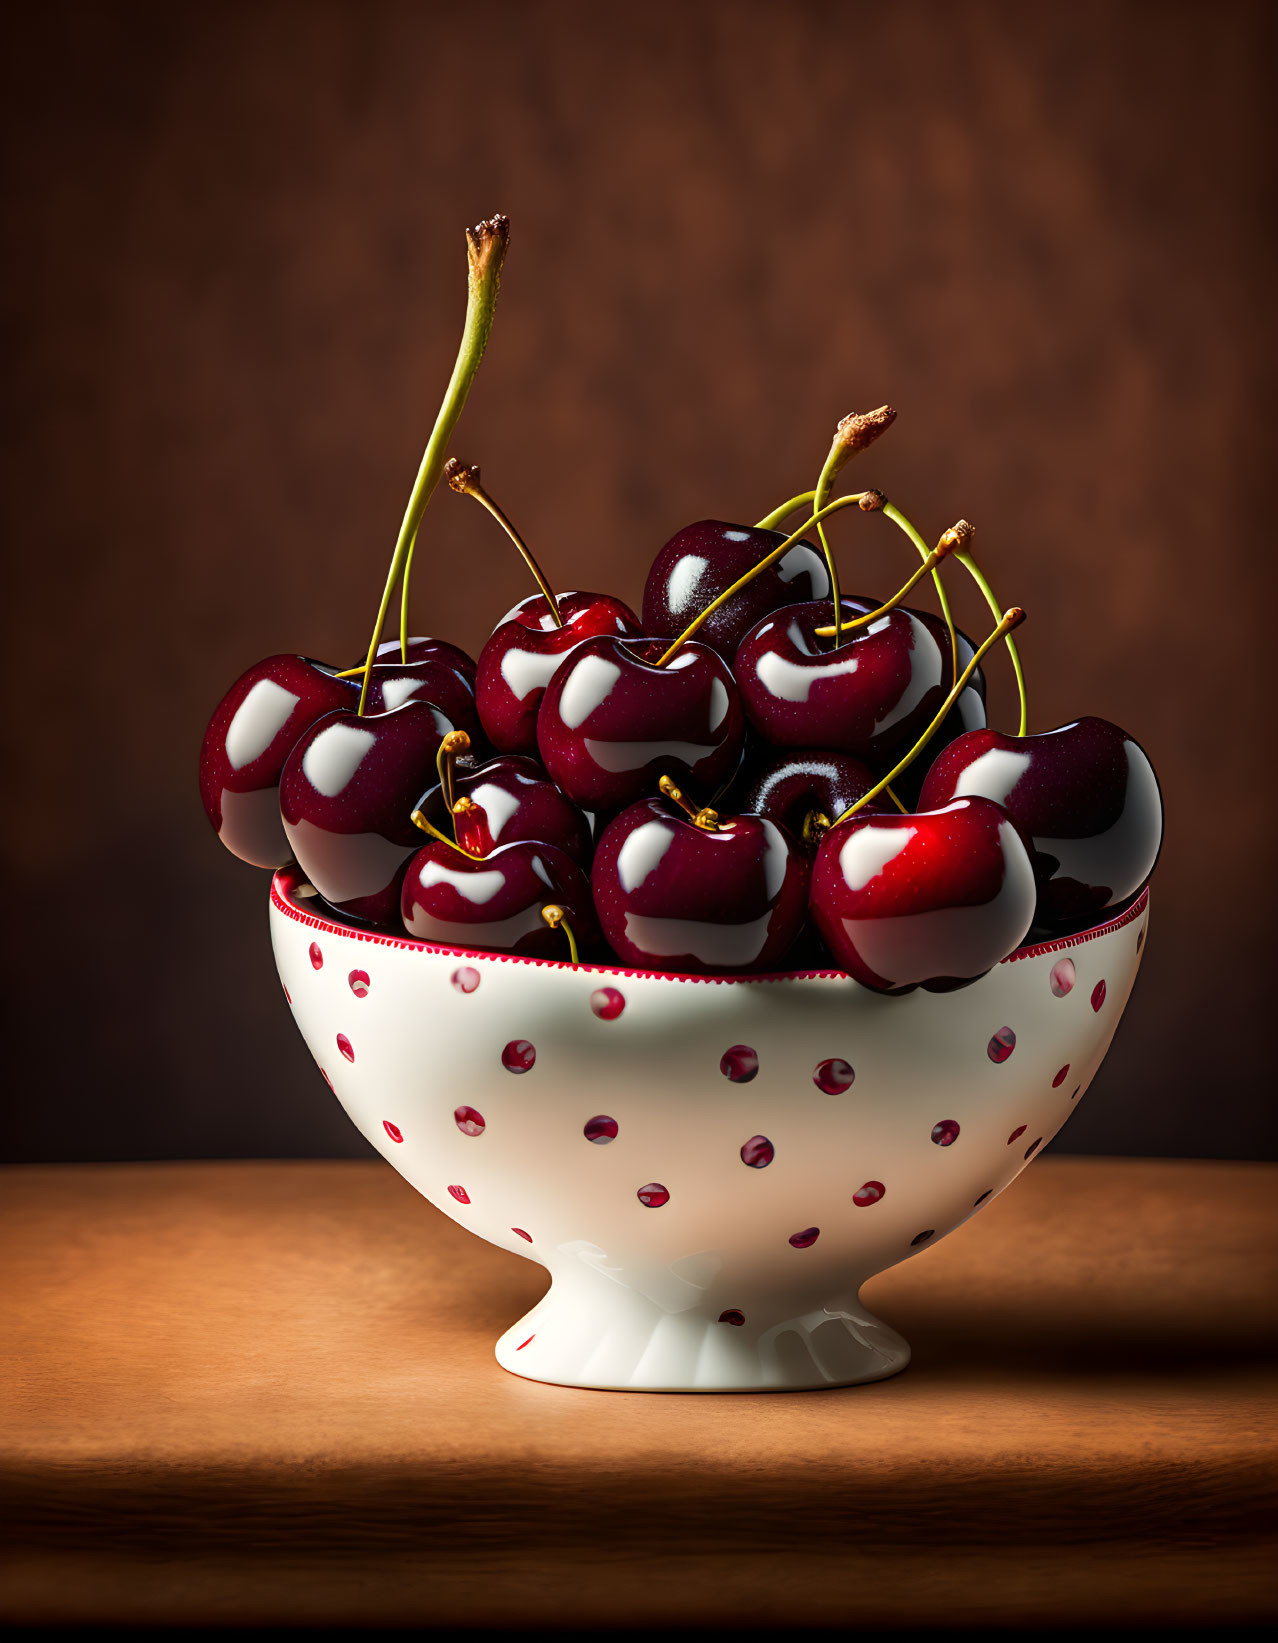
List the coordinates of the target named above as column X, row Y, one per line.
column 1061, row 1076
column 1098, row 995
column 740, row 1064
column 460, row 1194
column 653, row 1196
column 465, row 979
column 344, row 1045
column 607, row 1002
column 1001, row 1045
column 393, row 1130
column 523, row 1344
column 922, row 1237
column 288, row 995
column 1062, row 977
column 758, row 1152
column 358, row 980
column 946, row 1133
column 732, row 1317
column 328, row 1081
column 806, row 1238
column 868, row 1193
column 468, row 1121
column 600, row 1129
column 520, row 1233
column 833, row 1077
column 518, row 1056
column 317, row 958
column 1016, row 1134
column 1033, row 1147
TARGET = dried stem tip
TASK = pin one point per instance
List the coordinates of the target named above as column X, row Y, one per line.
column 486, row 245
column 872, row 502
column 856, row 433
column 958, row 536
column 461, row 477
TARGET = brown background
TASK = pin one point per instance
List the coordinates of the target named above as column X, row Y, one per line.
column 234, row 288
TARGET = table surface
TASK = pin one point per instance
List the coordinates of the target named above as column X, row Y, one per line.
column 265, row 1392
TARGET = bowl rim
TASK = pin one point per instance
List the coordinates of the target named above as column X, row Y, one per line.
column 286, row 881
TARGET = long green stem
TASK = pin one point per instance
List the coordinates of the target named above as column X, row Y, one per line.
column 974, row 571
column 762, row 565
column 485, row 252
column 825, row 484
column 898, row 518
column 1011, row 619
column 770, row 521
column 902, row 593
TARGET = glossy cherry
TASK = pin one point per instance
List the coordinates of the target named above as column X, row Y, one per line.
column 347, row 795
column 510, row 800
column 437, row 680
column 522, row 653
column 871, row 697
column 936, row 898
column 253, row 730
column 1086, row 797
column 612, row 722
column 423, row 649
column 675, row 896
column 700, row 561
column 803, row 791
column 495, row 901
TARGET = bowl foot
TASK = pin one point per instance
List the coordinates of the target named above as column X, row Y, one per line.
column 618, row 1340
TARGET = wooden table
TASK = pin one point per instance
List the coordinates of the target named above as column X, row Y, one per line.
column 265, row 1393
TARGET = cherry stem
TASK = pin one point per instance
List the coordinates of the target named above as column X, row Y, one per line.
column 898, row 519
column 419, row 820
column 485, row 252
column 465, row 481
column 770, row 521
column 1010, row 619
column 904, row 809
column 705, row 818
column 941, row 551
column 456, row 742
column 554, row 917
column 969, row 564
column 859, row 500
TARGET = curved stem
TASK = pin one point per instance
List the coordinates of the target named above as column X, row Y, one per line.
column 456, row 741
column 898, row 518
column 465, row 481
column 1013, row 618
column 930, row 563
column 554, row 917
column 825, row 484
column 419, row 820
column 485, row 251
column 770, row 521
column 904, row 809
column 974, row 571
column 768, row 559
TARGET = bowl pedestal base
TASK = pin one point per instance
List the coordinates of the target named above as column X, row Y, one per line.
column 604, row 1335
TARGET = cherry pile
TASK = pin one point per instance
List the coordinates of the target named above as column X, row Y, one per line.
column 758, row 773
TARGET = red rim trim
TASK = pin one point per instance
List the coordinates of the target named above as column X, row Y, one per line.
column 284, row 881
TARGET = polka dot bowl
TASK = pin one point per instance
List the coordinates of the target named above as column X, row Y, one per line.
column 708, row 1169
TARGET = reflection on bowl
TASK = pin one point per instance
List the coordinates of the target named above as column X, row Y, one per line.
column 708, row 1168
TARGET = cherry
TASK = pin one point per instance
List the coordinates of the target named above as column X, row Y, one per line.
column 450, row 687
column 869, row 698
column 936, row 898
column 423, row 649
column 347, row 794
column 612, row 721
column 253, row 730
column 1086, row 797
column 523, row 652
column 699, row 562
column 968, row 712
column 695, row 895
column 804, row 791
column 496, row 901
column 509, row 800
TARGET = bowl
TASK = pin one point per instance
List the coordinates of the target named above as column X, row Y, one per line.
column 709, row 1168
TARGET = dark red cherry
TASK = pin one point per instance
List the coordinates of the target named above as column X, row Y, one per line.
column 803, row 791
column 347, row 796
column 935, row 899
column 872, row 697
column 968, row 713
column 422, row 649
column 511, row 800
column 521, row 656
column 438, row 681
column 700, row 561
column 674, row 896
column 253, row 730
column 612, row 722
column 1085, row 796
column 495, row 901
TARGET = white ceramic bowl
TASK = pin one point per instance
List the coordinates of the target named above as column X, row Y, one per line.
column 804, row 1133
